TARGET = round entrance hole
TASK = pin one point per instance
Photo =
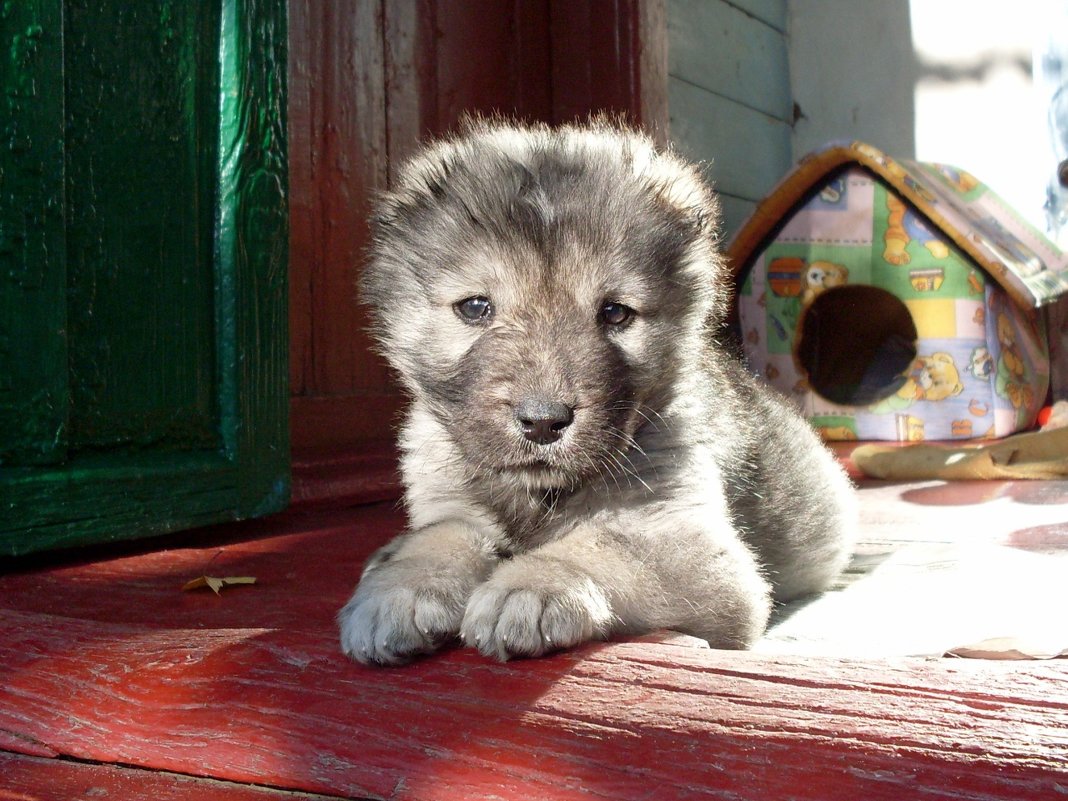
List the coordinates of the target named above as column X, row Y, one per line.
column 856, row 344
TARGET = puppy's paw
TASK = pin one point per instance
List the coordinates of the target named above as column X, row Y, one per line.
column 533, row 605
column 402, row 609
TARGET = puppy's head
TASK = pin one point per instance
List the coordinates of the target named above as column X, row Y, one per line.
column 541, row 291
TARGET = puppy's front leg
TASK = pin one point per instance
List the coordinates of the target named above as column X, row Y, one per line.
column 630, row 574
column 411, row 597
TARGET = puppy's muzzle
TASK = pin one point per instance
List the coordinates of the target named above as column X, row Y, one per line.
column 543, row 422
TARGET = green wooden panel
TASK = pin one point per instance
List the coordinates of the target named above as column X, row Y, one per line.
column 748, row 151
column 100, row 499
column 252, row 239
column 191, row 426
column 724, row 50
column 142, row 99
column 33, row 353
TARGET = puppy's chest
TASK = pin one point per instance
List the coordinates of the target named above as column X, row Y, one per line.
column 532, row 519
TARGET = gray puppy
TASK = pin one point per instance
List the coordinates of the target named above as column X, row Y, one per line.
column 580, row 458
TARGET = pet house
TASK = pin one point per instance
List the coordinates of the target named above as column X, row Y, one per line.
column 894, row 300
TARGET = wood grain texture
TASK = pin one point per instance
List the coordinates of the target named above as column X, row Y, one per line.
column 654, row 46
column 729, row 96
column 305, row 564
column 98, row 499
column 337, row 479
column 596, row 64
column 106, row 660
column 489, row 57
column 252, row 244
column 141, row 88
column 293, row 713
column 409, row 44
column 34, row 402
column 332, row 423
column 178, row 327
column 337, row 161
column 33, row 779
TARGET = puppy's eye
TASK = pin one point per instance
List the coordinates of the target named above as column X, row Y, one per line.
column 474, row 310
column 616, row 314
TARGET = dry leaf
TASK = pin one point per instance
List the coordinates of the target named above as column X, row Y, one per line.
column 216, row 584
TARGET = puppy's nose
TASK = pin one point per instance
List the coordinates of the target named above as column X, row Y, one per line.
column 543, row 422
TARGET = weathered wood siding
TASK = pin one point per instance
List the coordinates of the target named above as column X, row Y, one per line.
column 729, row 95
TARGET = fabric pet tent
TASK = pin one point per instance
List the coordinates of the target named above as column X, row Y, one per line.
column 895, row 300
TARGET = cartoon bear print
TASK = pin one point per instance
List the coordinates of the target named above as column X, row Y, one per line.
column 821, row 276
column 1010, row 354
column 929, row 378
column 904, row 225
column 982, row 363
column 1012, row 380
column 932, row 378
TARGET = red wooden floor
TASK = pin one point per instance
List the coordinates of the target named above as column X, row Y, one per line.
column 114, row 683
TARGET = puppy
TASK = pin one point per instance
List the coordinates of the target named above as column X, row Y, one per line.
column 581, row 458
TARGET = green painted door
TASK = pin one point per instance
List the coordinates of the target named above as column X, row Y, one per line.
column 143, row 242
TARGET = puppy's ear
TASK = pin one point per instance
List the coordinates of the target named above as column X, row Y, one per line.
column 422, row 185
column 681, row 186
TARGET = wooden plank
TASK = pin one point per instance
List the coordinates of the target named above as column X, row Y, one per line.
column 34, row 397
column 491, row 57
column 533, row 59
column 144, row 589
column 653, row 48
column 719, row 48
column 341, row 140
column 108, row 660
column 771, row 12
column 348, row 166
column 34, row 779
column 98, row 499
column 293, row 713
column 595, row 62
column 141, row 87
column 303, row 200
column 305, row 564
column 334, row 423
column 411, row 53
column 748, row 151
column 346, row 478
column 252, row 244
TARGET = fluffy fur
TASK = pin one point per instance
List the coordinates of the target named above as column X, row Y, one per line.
column 679, row 494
